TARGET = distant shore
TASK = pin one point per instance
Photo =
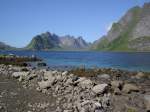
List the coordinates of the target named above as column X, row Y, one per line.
column 12, row 59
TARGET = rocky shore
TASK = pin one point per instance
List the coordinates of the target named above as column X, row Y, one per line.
column 23, row 89
column 12, row 59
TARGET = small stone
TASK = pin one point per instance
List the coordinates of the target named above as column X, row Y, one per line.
column 1, row 107
column 67, row 111
column 38, row 89
column 58, row 109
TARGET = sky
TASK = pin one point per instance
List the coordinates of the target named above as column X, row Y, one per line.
column 21, row 20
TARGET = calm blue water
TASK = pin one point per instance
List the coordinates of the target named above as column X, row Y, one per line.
column 128, row 61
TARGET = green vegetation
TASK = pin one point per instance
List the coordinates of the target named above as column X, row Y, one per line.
column 102, row 44
column 121, row 43
column 131, row 110
column 115, row 26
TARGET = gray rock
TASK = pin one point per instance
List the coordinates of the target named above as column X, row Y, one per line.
column 117, row 91
column 64, row 73
column 48, row 75
column 18, row 74
column 128, row 88
column 116, row 84
column 44, row 84
column 86, row 83
column 104, row 76
column 68, row 111
column 147, row 102
column 31, row 76
column 100, row 88
column 140, row 75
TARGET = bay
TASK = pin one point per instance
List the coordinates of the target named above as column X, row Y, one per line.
column 132, row 61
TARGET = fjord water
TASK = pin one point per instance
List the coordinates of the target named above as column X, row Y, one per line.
column 119, row 60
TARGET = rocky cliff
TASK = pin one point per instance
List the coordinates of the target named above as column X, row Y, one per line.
column 130, row 33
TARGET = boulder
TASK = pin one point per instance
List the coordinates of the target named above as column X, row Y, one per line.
column 18, row 74
column 69, row 82
column 140, row 75
column 44, row 84
column 104, row 76
column 80, row 79
column 100, row 88
column 31, row 76
column 147, row 102
column 128, row 88
column 97, row 105
column 54, row 72
column 64, row 73
column 59, row 78
column 86, row 83
column 117, row 84
column 48, row 75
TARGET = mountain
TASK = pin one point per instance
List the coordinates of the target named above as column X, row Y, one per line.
column 48, row 41
column 73, row 43
column 130, row 33
column 45, row 41
column 3, row 46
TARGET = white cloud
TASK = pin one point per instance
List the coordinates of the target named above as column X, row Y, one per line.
column 109, row 26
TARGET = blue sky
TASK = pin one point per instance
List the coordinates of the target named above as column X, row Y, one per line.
column 20, row 20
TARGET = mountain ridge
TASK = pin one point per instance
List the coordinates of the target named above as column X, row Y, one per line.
column 4, row 46
column 130, row 33
column 48, row 41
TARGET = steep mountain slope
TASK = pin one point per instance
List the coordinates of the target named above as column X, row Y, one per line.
column 44, row 41
column 69, row 42
column 130, row 33
column 3, row 46
column 48, row 41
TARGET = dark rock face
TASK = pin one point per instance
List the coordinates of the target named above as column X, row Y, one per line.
column 129, row 33
column 44, row 41
column 48, row 41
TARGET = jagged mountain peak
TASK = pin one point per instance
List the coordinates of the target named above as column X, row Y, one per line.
column 48, row 41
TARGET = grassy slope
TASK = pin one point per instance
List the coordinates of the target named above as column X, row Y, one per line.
column 121, row 43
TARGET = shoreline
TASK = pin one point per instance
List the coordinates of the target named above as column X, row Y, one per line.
column 78, row 90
